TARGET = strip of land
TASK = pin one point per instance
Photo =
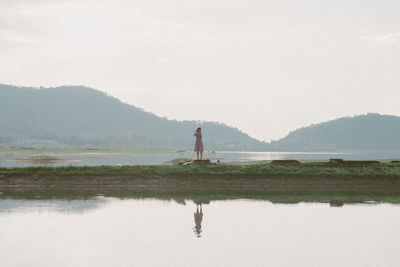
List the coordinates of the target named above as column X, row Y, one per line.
column 282, row 183
column 263, row 177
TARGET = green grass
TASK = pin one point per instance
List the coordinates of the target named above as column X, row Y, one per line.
column 226, row 171
column 306, row 182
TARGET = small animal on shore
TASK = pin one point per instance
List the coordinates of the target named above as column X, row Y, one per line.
column 198, row 146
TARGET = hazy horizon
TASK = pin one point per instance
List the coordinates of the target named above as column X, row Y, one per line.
column 233, row 126
column 265, row 67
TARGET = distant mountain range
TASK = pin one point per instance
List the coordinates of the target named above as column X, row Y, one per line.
column 77, row 116
column 370, row 132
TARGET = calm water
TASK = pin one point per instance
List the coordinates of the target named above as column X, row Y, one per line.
column 104, row 158
column 130, row 232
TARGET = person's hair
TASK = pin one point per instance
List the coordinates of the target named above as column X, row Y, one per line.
column 198, row 128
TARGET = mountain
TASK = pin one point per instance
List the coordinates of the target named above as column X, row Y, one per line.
column 373, row 132
column 78, row 116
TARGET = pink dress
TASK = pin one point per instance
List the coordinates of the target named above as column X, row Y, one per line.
column 198, row 146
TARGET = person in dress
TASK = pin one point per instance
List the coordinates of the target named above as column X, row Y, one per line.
column 198, row 146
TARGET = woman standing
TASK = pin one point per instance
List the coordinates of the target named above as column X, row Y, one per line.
column 198, row 146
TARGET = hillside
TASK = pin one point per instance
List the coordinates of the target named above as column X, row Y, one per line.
column 78, row 116
column 364, row 132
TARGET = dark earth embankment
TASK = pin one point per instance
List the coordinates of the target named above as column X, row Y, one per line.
column 265, row 177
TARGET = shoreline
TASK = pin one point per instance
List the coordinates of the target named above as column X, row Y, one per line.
column 261, row 177
column 334, row 198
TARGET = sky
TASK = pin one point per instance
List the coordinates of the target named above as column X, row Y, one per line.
column 266, row 67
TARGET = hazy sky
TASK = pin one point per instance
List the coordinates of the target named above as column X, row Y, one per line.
column 266, row 67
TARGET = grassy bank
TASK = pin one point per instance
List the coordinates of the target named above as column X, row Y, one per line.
column 255, row 180
column 227, row 171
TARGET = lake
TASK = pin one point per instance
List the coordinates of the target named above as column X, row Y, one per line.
column 150, row 232
column 93, row 158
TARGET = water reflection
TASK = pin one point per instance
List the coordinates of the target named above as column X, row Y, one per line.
column 198, row 218
column 127, row 232
column 336, row 203
column 85, row 158
column 61, row 206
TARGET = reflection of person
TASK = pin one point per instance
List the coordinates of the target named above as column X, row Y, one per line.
column 198, row 217
column 198, row 147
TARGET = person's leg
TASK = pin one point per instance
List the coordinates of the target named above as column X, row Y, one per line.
column 197, row 152
column 201, row 154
